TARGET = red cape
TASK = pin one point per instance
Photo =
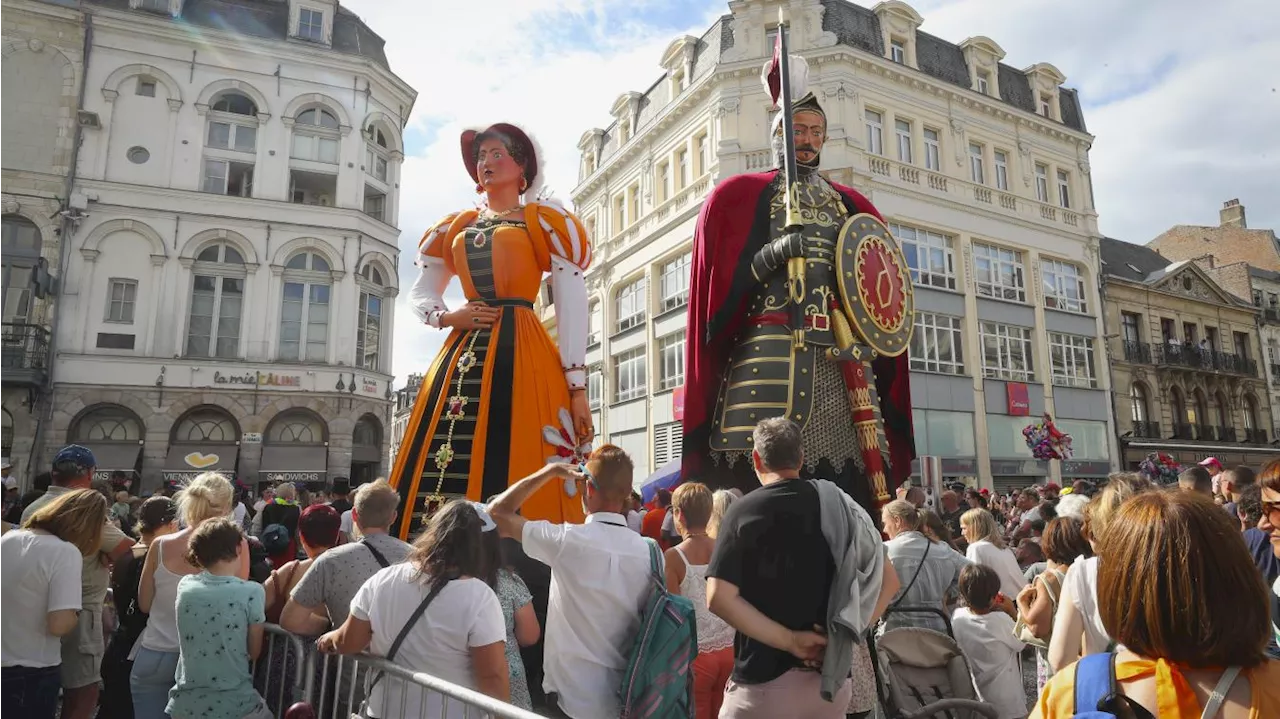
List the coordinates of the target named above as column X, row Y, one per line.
column 732, row 226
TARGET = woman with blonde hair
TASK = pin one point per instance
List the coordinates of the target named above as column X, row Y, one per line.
column 155, row 657
column 692, row 505
column 721, row 500
column 1077, row 627
column 40, row 571
column 987, row 547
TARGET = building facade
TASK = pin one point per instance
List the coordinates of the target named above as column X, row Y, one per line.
column 980, row 169
column 43, row 67
column 229, row 296
column 406, row 396
column 1185, row 361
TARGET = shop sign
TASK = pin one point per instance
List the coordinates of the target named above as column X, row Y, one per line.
column 251, row 438
column 677, row 403
column 368, row 386
column 105, row 474
column 258, row 379
column 182, row 476
column 293, row 476
column 1019, row 403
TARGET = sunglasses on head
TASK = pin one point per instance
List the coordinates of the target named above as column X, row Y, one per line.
column 588, row 477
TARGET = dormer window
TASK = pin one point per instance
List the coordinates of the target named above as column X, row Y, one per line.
column 311, row 24
column 677, row 83
column 984, row 83
column 1044, row 105
column 898, row 51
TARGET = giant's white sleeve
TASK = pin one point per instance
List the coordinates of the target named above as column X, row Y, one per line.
column 426, row 297
column 569, row 288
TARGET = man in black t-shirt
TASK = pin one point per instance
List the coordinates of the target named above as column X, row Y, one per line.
column 770, row 578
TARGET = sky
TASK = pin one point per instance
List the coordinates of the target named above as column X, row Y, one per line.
column 1184, row 103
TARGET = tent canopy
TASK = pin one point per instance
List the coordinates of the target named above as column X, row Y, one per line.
column 667, row 476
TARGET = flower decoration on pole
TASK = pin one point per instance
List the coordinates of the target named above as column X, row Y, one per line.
column 1160, row 468
column 1046, row 441
column 566, row 449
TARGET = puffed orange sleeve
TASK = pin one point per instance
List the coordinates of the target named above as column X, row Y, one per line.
column 559, row 233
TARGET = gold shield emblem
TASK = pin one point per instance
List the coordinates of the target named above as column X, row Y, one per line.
column 875, row 285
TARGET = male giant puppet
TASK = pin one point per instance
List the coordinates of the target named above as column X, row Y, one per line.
column 843, row 377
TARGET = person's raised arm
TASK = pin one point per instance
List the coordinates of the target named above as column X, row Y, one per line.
column 505, row 508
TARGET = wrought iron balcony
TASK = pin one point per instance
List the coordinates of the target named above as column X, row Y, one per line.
column 1226, row 434
column 1182, row 430
column 1136, row 352
column 1205, row 433
column 1271, row 314
column 1255, row 436
column 1195, row 358
column 24, row 354
column 1146, row 430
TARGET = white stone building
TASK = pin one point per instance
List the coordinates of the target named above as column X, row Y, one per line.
column 982, row 170
column 227, row 292
column 43, row 47
column 1266, row 295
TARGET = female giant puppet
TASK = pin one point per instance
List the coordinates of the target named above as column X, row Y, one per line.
column 500, row 398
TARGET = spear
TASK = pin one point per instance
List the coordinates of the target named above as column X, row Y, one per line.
column 780, row 88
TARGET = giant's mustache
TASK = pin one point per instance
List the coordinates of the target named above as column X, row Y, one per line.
column 806, row 148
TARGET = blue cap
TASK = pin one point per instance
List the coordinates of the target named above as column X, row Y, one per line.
column 77, row 455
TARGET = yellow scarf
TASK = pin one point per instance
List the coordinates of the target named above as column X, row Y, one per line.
column 1174, row 696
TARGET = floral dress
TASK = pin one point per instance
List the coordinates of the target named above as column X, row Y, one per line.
column 512, row 595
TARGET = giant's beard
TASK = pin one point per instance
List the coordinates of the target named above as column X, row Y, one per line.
column 804, row 170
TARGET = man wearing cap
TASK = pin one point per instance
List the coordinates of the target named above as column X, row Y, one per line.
column 1214, row 467
column 82, row 648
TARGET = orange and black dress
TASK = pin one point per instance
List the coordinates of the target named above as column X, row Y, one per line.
column 494, row 404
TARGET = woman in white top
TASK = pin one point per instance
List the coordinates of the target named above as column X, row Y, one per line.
column 459, row 637
column 686, row 563
column 40, row 573
column 155, row 656
column 1077, row 614
column 987, row 547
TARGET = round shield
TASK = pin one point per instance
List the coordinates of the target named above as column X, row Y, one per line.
column 875, row 285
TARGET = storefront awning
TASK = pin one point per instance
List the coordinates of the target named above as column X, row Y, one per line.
column 188, row 460
column 115, row 457
column 285, row 463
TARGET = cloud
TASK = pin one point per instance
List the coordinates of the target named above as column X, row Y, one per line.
column 550, row 66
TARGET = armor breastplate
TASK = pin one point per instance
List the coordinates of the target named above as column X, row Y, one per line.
column 766, row 376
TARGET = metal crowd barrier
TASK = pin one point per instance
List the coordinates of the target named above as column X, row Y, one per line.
column 284, row 672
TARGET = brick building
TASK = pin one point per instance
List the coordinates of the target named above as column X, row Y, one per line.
column 1230, row 242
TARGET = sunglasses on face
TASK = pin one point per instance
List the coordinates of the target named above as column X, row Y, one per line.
column 1271, row 510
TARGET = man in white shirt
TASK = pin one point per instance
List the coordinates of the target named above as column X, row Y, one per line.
column 599, row 581
column 635, row 513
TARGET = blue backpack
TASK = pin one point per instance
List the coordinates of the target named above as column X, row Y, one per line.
column 659, row 677
column 1096, row 689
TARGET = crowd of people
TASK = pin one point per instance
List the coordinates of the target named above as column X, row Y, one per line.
column 1177, row 587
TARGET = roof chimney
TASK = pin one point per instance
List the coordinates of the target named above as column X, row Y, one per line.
column 1232, row 214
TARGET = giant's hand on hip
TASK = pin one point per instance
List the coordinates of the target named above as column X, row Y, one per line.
column 471, row 316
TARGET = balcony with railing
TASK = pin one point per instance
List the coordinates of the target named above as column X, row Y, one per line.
column 1226, row 434
column 1255, row 436
column 1194, row 358
column 24, row 354
column 1205, row 433
column 1182, row 430
column 1143, row 429
column 1136, row 352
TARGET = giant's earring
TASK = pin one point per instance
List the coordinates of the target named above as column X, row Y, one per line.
column 524, row 185
column 479, row 189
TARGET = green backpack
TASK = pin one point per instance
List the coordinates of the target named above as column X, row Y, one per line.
column 659, row 677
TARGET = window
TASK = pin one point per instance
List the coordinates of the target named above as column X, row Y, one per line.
column 375, row 203
column 595, row 386
column 629, row 305
column 1130, row 324
column 369, row 319
column 674, row 284
column 929, row 255
column 1138, row 402
column 224, row 177
column 304, row 311
column 146, row 87
column 1257, row 298
column 233, row 124
column 1071, row 360
column 594, row 320
column 1241, row 342
column 633, row 203
column 664, row 182
column 998, row 273
column 984, row 83
column 677, row 83
column 107, row 423
column 1063, row 286
column 1006, row 352
column 932, row 155
column 875, row 132
column 311, row 24
column 682, row 162
column 1189, row 332
column 375, row 154
column 671, row 357
column 1064, row 189
column 619, row 213
column 903, row 130
column 315, row 136
column 975, row 164
column 217, row 296
column 898, row 51
column 700, row 153
column 1002, row 170
column 153, row 5
column 20, row 253
column 1042, row 182
column 935, row 345
column 1251, row 414
column 628, row 375
column 1043, row 105
column 120, row 301
column 115, row 341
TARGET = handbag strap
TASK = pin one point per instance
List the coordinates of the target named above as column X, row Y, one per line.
column 404, row 632
column 376, row 554
column 928, row 545
column 1220, row 693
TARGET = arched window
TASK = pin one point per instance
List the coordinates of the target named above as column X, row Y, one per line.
column 1250, row 414
column 296, row 427
column 316, row 136
column 108, row 423
column 369, row 322
column 206, row 425
column 1200, row 414
column 21, row 252
column 1224, row 412
column 304, row 312
column 376, row 153
column 1138, row 400
column 217, row 302
column 231, row 145
column 367, row 433
column 1178, row 405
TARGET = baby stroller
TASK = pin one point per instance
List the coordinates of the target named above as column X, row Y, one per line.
column 922, row 673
